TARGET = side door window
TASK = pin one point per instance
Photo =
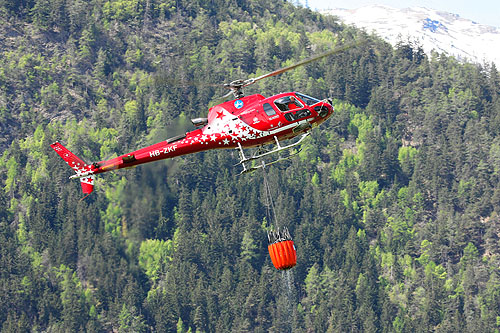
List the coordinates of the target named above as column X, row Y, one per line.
column 287, row 103
column 268, row 109
column 292, row 108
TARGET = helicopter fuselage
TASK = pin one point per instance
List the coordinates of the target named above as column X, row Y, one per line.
column 250, row 121
column 246, row 122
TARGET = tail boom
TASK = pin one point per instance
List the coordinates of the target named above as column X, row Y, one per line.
column 186, row 144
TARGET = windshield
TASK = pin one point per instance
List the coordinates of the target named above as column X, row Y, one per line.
column 308, row 99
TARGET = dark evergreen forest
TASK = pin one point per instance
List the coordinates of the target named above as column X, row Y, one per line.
column 393, row 203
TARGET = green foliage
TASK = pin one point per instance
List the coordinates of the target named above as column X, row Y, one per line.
column 406, row 158
column 11, row 166
column 315, row 179
column 74, row 306
column 248, row 247
column 123, row 10
column 348, row 163
column 131, row 321
column 154, row 256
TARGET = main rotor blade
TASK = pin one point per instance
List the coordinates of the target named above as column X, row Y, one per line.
column 303, row 62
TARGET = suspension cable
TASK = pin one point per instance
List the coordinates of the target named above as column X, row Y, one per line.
column 271, row 211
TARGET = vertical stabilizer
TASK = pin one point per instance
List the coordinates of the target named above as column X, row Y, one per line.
column 78, row 165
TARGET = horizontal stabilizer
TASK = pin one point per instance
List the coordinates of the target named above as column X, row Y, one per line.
column 82, row 169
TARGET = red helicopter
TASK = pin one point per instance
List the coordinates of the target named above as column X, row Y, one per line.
column 246, row 121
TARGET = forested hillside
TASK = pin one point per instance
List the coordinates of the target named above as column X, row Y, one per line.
column 393, row 203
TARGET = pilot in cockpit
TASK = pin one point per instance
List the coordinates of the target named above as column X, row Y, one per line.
column 287, row 103
column 293, row 104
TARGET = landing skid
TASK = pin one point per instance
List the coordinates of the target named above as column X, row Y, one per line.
column 279, row 148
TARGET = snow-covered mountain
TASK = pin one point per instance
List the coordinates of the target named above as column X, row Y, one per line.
column 433, row 30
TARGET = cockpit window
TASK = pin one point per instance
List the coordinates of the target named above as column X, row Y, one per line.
column 268, row 109
column 308, row 99
column 287, row 103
